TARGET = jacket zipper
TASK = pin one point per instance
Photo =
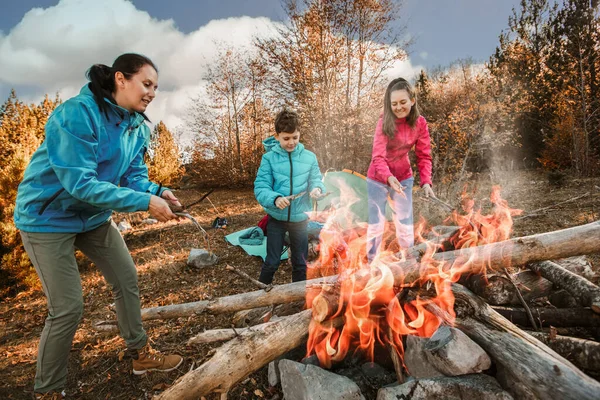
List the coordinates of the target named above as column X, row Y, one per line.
column 50, row 200
column 291, row 186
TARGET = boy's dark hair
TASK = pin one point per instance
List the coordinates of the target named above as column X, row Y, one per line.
column 286, row 121
column 102, row 77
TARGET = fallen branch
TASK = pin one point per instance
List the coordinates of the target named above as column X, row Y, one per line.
column 534, row 213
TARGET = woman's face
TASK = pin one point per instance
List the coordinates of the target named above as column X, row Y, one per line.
column 401, row 103
column 136, row 93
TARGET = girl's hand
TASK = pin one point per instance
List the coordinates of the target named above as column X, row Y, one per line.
column 282, row 202
column 428, row 191
column 315, row 193
column 159, row 209
column 395, row 184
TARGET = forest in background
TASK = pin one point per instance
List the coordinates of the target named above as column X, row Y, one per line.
column 534, row 104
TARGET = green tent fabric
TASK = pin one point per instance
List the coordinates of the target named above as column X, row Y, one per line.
column 257, row 250
column 348, row 190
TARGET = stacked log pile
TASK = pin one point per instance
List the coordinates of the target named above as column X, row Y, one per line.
column 527, row 364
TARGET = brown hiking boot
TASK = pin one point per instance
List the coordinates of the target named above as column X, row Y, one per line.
column 148, row 359
column 52, row 395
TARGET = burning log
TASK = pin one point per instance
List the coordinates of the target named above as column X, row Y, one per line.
column 518, row 251
column 241, row 356
column 580, row 288
column 498, row 290
column 559, row 317
column 533, row 364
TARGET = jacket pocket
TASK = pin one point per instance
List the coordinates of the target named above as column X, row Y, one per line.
column 50, row 200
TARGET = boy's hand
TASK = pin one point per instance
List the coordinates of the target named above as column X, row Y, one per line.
column 315, row 193
column 170, row 197
column 282, row 202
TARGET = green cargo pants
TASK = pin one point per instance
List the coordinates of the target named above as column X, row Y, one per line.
column 53, row 255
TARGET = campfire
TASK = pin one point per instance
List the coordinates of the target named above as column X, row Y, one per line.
column 413, row 305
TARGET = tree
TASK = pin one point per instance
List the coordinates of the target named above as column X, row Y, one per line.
column 328, row 62
column 230, row 120
column 21, row 133
column 163, row 160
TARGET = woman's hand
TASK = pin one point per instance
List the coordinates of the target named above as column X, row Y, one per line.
column 428, row 191
column 159, row 208
column 395, row 184
column 170, row 197
column 282, row 202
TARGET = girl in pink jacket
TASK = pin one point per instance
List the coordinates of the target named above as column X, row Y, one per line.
column 399, row 129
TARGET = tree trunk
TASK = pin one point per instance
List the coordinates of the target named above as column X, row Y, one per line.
column 559, row 317
column 535, row 365
column 579, row 287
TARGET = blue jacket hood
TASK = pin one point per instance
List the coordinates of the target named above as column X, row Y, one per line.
column 272, row 144
column 282, row 173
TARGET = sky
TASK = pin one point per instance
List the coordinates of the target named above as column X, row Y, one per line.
column 47, row 45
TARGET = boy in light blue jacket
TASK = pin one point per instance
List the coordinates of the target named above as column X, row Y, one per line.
column 287, row 178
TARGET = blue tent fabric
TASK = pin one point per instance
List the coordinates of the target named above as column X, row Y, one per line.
column 259, row 250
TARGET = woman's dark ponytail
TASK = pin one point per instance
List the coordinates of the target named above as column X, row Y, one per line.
column 102, row 84
column 102, row 77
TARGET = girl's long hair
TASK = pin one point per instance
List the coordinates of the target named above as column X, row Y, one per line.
column 102, row 77
column 389, row 119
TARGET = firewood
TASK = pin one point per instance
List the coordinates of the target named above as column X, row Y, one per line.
column 497, row 289
column 518, row 251
column 559, row 317
column 238, row 358
column 585, row 354
column 579, row 287
column 535, row 366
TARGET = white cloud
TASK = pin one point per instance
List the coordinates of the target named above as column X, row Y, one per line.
column 404, row 69
column 50, row 49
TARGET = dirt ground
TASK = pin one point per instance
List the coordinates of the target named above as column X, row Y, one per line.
column 160, row 252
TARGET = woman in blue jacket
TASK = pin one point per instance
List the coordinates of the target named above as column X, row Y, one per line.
column 287, row 176
column 91, row 163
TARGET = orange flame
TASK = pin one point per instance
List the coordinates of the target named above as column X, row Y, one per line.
column 371, row 297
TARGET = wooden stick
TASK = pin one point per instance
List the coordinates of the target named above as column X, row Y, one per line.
column 534, row 212
column 249, row 278
column 522, row 300
column 579, row 287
